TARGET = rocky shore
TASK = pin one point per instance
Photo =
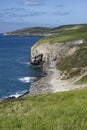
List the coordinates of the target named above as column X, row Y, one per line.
column 53, row 82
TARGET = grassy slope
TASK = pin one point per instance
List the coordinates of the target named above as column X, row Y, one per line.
column 32, row 30
column 59, row 111
column 67, row 33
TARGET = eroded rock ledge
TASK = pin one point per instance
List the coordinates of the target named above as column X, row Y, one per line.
column 53, row 52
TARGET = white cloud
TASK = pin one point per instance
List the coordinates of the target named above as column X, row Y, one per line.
column 62, row 13
column 33, row 2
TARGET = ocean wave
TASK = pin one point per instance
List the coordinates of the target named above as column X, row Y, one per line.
column 26, row 79
column 16, row 95
column 25, row 63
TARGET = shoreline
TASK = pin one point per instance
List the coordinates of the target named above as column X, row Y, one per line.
column 50, row 83
column 53, row 82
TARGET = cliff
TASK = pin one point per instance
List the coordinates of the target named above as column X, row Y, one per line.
column 64, row 60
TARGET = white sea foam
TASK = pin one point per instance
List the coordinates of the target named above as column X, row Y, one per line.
column 25, row 63
column 16, row 95
column 26, row 79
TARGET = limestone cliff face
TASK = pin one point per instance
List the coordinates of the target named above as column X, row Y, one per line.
column 54, row 52
column 50, row 54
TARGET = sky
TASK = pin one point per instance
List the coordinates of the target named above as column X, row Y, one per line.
column 17, row 14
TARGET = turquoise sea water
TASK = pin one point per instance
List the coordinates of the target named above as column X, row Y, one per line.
column 16, row 73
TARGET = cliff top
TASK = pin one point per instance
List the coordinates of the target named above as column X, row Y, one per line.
column 66, row 33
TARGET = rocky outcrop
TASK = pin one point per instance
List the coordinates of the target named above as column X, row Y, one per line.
column 50, row 54
column 37, row 60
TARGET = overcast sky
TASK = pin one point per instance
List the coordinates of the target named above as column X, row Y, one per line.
column 15, row 14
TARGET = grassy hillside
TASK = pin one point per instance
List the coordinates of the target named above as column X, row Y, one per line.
column 59, row 111
column 31, row 31
column 58, row 33
column 67, row 33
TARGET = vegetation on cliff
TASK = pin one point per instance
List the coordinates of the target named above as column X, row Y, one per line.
column 83, row 80
column 58, row 111
column 78, row 59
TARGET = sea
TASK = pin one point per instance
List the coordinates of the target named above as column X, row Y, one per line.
column 16, row 72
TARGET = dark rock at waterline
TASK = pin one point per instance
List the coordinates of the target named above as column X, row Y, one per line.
column 37, row 60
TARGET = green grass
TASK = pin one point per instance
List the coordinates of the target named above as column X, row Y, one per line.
column 83, row 80
column 66, row 33
column 59, row 111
